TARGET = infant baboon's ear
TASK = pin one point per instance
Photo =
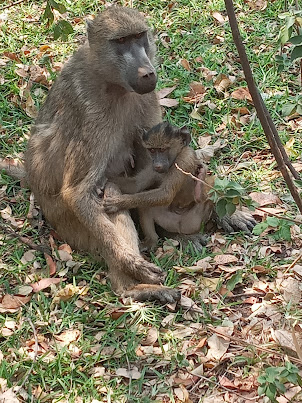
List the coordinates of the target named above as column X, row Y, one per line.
column 186, row 135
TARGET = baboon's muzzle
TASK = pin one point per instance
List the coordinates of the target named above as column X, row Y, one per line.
column 146, row 80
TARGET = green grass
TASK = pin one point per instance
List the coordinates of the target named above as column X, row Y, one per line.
column 110, row 333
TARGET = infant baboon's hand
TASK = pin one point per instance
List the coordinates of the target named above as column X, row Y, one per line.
column 112, row 204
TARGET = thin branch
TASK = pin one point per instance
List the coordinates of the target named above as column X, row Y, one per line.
column 12, row 4
column 293, row 263
column 263, row 114
column 192, row 176
column 13, row 234
column 282, row 217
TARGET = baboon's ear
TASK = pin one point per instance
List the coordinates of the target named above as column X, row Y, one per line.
column 89, row 28
column 144, row 134
column 185, row 134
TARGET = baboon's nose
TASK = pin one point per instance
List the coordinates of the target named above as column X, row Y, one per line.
column 145, row 72
column 158, row 168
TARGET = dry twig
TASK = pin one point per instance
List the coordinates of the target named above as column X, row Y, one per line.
column 12, row 4
column 262, row 112
column 13, row 234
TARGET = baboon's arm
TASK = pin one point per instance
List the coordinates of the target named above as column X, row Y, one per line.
column 161, row 196
column 143, row 180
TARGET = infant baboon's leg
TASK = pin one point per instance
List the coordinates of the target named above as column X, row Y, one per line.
column 148, row 227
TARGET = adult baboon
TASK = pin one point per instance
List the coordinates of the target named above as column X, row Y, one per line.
column 166, row 196
column 86, row 134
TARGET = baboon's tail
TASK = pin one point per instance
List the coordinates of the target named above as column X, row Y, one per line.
column 13, row 168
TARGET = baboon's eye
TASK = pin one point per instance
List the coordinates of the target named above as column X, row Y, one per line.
column 121, row 40
column 162, row 150
column 138, row 36
column 152, row 150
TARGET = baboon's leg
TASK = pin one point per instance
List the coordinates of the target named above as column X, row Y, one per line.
column 123, row 283
column 148, row 227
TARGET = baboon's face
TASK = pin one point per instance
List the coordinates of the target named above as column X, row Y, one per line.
column 123, row 48
column 136, row 68
column 164, row 142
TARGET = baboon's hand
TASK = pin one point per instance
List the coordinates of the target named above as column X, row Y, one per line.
column 239, row 221
column 112, row 204
column 147, row 292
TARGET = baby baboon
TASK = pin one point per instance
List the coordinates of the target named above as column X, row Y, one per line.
column 174, row 201
column 159, row 183
column 86, row 133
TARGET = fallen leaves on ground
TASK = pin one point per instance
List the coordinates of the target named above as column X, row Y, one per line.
column 162, row 97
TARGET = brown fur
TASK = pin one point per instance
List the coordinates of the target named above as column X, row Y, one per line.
column 171, row 200
column 176, row 202
column 86, row 133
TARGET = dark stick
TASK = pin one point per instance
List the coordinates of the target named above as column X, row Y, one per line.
column 10, row 232
column 13, row 4
column 278, row 141
column 258, row 102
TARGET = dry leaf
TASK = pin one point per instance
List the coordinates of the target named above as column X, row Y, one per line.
column 241, row 94
column 204, row 141
column 285, row 339
column 290, row 288
column 218, row 17
column 195, row 114
column 189, row 305
column 28, row 256
column 68, row 336
column 129, row 373
column 68, row 292
column 168, row 102
column 225, row 259
column 196, row 93
column 259, row 5
column 30, row 107
column 45, row 283
column 264, row 199
column 51, row 264
column 217, row 347
column 21, row 72
column 185, row 64
column 44, row 48
column 222, row 83
column 165, row 91
column 224, row 381
column 161, row 96
column 205, row 154
column 182, row 394
column 13, row 302
column 12, row 56
column 150, row 338
column 25, row 290
column 6, row 214
column 9, row 397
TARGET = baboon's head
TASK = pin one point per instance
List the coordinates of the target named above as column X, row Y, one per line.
column 164, row 142
column 123, row 48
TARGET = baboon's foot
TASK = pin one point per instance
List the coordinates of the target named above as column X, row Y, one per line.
column 158, row 293
column 148, row 245
column 144, row 272
column 239, row 221
column 198, row 241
